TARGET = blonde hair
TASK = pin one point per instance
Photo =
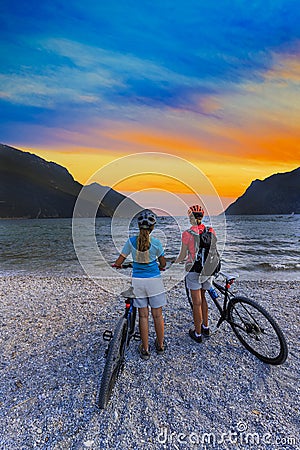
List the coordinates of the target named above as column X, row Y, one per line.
column 143, row 245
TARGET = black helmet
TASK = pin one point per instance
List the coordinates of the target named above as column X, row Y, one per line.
column 146, row 219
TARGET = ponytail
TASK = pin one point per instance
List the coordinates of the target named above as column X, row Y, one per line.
column 143, row 245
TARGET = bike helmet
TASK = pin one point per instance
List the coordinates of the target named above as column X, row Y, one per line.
column 146, row 219
column 196, row 211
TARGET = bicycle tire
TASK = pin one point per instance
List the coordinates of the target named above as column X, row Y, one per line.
column 257, row 330
column 114, row 363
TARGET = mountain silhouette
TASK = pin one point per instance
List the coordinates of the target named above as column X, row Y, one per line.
column 277, row 194
column 31, row 187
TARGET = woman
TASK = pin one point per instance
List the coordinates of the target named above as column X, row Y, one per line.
column 146, row 280
column 196, row 282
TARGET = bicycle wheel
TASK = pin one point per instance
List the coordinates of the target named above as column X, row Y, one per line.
column 257, row 330
column 114, row 363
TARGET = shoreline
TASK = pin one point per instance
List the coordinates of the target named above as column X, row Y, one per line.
column 53, row 356
column 240, row 277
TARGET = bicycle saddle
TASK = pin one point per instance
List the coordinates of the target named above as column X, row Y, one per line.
column 229, row 278
column 128, row 293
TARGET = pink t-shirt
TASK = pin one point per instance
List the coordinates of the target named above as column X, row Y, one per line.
column 188, row 239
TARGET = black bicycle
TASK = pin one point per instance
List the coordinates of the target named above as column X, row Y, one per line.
column 116, row 351
column 252, row 324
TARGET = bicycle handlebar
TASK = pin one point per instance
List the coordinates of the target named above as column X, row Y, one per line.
column 128, row 265
column 122, row 266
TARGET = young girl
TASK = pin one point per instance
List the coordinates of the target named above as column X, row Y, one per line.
column 196, row 282
column 146, row 280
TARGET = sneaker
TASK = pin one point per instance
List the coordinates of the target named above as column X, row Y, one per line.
column 144, row 354
column 205, row 331
column 194, row 337
column 159, row 350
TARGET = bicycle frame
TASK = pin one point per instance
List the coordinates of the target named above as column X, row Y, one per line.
column 130, row 316
column 251, row 323
column 227, row 296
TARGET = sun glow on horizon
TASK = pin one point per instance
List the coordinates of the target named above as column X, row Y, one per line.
column 229, row 179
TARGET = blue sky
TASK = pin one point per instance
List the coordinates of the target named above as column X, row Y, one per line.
column 211, row 82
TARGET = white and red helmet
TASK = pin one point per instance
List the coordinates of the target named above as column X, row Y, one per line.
column 196, row 211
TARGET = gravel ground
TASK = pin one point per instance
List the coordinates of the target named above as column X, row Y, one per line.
column 213, row 395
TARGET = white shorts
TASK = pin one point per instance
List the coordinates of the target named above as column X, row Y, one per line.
column 194, row 281
column 149, row 292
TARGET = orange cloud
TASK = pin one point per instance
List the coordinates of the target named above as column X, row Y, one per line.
column 153, row 181
column 257, row 133
column 152, row 139
column 286, row 68
column 265, row 144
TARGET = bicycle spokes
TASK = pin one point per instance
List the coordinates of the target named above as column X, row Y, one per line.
column 257, row 330
column 251, row 328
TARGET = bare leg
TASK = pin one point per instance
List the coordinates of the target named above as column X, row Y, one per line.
column 144, row 326
column 204, row 308
column 197, row 309
column 158, row 325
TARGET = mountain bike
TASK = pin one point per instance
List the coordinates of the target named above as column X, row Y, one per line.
column 116, row 351
column 252, row 324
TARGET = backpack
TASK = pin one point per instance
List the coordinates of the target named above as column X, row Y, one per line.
column 207, row 258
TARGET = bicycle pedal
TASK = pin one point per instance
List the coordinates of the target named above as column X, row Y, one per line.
column 136, row 337
column 107, row 335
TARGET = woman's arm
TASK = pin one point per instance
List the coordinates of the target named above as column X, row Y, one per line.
column 119, row 262
column 182, row 254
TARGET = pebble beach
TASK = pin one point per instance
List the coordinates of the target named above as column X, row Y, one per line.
column 198, row 396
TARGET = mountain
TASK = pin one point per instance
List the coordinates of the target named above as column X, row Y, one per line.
column 31, row 187
column 277, row 194
column 112, row 202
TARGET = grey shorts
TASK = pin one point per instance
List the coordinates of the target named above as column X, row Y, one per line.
column 149, row 292
column 194, row 281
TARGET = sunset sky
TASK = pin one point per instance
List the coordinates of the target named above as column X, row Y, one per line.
column 215, row 83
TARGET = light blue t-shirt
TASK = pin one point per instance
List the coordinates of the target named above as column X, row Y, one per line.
column 144, row 270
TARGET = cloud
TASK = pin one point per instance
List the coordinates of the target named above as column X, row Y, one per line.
column 207, row 80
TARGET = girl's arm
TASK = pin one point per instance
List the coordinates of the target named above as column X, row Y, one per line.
column 182, row 254
column 119, row 262
column 162, row 262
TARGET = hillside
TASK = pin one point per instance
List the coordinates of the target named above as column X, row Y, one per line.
column 31, row 187
column 277, row 194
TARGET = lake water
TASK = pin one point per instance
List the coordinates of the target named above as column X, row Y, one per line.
column 255, row 247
